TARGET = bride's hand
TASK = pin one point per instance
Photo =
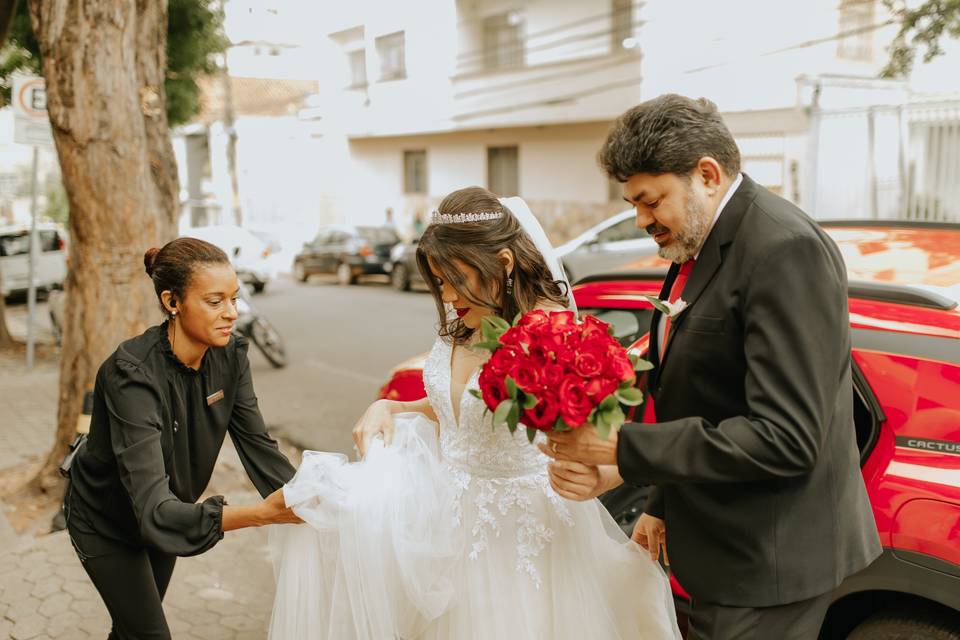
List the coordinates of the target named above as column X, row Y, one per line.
column 376, row 420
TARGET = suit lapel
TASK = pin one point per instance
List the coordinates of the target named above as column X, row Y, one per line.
column 655, row 322
column 711, row 255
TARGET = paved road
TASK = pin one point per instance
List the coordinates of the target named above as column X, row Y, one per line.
column 342, row 342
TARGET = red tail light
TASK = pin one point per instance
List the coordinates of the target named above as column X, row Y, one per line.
column 365, row 251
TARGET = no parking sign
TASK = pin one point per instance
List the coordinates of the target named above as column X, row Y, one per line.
column 30, row 122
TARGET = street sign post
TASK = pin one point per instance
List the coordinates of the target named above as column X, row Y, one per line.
column 31, row 126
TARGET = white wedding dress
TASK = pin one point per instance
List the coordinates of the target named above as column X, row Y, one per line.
column 457, row 539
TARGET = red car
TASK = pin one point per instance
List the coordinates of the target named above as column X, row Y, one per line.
column 905, row 327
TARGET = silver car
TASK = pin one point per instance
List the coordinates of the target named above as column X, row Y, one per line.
column 606, row 246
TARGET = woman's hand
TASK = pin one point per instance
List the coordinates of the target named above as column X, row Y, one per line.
column 651, row 534
column 376, row 420
column 275, row 510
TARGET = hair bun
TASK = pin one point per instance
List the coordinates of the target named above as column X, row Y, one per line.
column 149, row 258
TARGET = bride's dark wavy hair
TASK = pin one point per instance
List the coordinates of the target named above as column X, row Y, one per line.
column 477, row 245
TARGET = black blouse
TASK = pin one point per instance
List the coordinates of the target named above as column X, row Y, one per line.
column 155, row 434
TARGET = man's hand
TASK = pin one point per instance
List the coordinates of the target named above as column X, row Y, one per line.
column 582, row 445
column 651, row 534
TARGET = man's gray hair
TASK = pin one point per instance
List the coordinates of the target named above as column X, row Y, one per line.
column 668, row 134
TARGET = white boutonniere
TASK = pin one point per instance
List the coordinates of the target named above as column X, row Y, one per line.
column 670, row 309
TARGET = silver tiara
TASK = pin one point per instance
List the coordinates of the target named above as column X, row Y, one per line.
column 453, row 218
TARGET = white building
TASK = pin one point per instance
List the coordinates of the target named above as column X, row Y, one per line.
column 419, row 98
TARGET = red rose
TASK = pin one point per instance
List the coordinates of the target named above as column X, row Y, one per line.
column 502, row 361
column 575, row 405
column 518, row 337
column 565, row 355
column 620, row 367
column 539, row 355
column 593, row 326
column 552, row 375
column 563, row 320
column 534, row 319
column 588, row 364
column 600, row 388
column 527, row 375
column 543, row 416
column 493, row 388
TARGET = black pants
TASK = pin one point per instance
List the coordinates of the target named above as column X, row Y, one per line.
column 131, row 580
column 794, row 621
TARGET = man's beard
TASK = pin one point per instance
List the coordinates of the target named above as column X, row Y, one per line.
column 687, row 240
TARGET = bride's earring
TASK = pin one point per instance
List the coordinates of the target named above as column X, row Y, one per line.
column 509, row 286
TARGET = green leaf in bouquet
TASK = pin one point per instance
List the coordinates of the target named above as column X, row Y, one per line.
column 639, row 364
column 492, row 328
column 501, row 412
column 513, row 417
column 592, row 417
column 531, row 434
column 615, row 418
column 630, row 396
column 476, row 393
column 516, row 318
column 489, row 345
column 658, row 304
column 603, row 428
column 529, row 401
column 561, row 425
column 608, row 403
column 511, row 387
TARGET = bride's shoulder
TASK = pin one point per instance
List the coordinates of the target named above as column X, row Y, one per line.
column 547, row 305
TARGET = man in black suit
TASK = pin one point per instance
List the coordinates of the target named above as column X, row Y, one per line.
column 753, row 456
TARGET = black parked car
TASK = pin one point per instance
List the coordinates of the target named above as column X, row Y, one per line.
column 346, row 251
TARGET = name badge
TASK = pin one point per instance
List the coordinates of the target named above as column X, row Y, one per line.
column 214, row 397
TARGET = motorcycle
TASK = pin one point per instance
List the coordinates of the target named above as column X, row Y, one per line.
column 258, row 329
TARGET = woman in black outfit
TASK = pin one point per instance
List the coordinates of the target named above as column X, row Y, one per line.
column 163, row 403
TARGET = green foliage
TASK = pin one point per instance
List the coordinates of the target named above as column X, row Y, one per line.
column 57, row 209
column 921, row 27
column 194, row 38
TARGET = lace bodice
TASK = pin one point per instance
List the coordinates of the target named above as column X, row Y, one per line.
column 472, row 443
column 502, row 472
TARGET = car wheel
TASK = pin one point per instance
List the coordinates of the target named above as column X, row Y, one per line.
column 345, row 274
column 930, row 625
column 400, row 278
column 300, row 272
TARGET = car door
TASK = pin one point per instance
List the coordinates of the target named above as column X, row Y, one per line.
column 14, row 260
column 338, row 246
column 313, row 252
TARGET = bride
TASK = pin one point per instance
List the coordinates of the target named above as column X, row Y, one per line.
column 448, row 528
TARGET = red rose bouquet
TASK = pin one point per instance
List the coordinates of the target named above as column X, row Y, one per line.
column 550, row 373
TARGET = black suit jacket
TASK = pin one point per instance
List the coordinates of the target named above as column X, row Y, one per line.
column 754, row 454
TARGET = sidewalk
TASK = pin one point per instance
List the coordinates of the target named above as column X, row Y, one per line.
column 226, row 593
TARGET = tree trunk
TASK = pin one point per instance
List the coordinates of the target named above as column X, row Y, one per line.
column 104, row 62
column 5, row 339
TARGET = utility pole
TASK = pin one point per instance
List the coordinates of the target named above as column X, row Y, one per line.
column 231, row 131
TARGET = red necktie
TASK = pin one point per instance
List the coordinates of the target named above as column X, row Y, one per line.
column 678, row 284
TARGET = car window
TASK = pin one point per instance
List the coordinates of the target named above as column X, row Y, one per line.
column 15, row 244
column 623, row 230
column 339, row 237
column 629, row 325
column 323, row 237
column 378, row 235
column 49, row 240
